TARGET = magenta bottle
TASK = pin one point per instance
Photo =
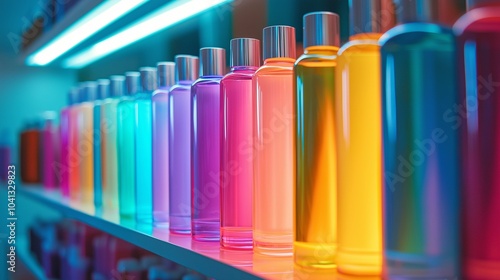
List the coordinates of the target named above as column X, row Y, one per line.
column 50, row 150
column 236, row 173
column 179, row 144
column 478, row 117
column 205, row 145
column 65, row 122
column 166, row 79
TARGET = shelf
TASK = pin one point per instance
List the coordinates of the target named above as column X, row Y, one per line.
column 27, row 258
column 205, row 257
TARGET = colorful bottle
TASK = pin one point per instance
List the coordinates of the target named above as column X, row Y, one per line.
column 179, row 144
column 274, row 134
column 236, row 173
column 205, row 145
column 477, row 115
column 166, row 79
column 66, row 167
column 102, row 93
column 358, row 141
column 420, row 148
column 126, row 146
column 143, row 146
column 74, row 159
column 86, row 140
column 50, row 150
column 315, row 230
column 30, row 154
column 109, row 142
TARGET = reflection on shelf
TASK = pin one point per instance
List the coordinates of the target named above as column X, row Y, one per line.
column 206, row 257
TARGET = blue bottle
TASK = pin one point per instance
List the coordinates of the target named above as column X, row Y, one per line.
column 420, row 146
column 143, row 146
column 102, row 93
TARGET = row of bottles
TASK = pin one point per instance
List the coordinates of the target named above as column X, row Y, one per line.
column 375, row 154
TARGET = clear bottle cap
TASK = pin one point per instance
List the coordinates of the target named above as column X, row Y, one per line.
column 365, row 16
column 245, row 52
column 278, row 41
column 102, row 89
column 321, row 29
column 213, row 61
column 117, row 85
column 148, row 78
column 166, row 73
column 187, row 67
column 133, row 83
column 416, row 10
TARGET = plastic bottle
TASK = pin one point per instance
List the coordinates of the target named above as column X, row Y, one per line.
column 179, row 141
column 315, row 216
column 236, row 171
column 274, row 134
column 205, row 145
column 359, row 140
column 166, row 79
column 126, row 146
column 477, row 115
column 420, row 148
column 143, row 146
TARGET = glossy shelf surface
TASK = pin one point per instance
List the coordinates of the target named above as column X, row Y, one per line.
column 205, row 257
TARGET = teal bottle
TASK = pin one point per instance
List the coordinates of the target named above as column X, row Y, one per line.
column 420, row 146
column 102, row 93
column 143, row 146
column 126, row 147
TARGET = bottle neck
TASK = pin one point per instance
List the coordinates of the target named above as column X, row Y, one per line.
column 185, row 82
column 244, row 68
column 365, row 36
column 279, row 60
column 324, row 50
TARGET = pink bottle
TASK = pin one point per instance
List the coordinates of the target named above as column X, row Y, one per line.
column 64, row 168
column 273, row 128
column 50, row 151
column 237, row 145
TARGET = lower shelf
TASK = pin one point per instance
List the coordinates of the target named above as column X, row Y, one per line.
column 205, row 257
column 28, row 259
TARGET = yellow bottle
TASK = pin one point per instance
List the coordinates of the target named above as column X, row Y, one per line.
column 315, row 209
column 359, row 150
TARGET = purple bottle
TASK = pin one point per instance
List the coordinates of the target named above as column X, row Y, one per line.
column 179, row 143
column 205, row 145
column 166, row 79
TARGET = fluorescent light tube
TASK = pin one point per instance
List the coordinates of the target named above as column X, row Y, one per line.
column 98, row 18
column 169, row 15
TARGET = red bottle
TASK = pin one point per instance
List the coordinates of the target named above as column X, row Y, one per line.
column 478, row 117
